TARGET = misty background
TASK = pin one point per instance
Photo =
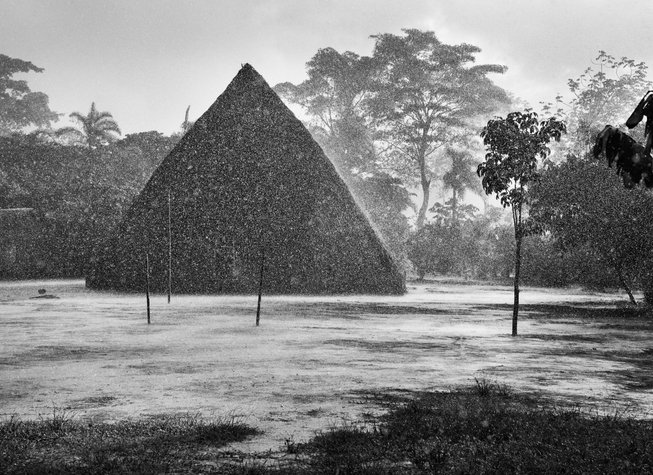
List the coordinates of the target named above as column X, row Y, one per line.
column 94, row 95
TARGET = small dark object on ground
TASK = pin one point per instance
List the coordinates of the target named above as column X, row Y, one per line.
column 43, row 295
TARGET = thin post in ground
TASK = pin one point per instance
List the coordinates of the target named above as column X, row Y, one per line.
column 147, row 285
column 260, row 289
column 169, row 249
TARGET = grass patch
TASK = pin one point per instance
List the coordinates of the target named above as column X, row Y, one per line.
column 159, row 444
column 483, row 429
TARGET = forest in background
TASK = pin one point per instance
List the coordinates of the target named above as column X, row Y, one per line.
column 402, row 126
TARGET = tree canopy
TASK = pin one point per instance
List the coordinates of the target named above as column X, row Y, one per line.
column 425, row 92
column 605, row 93
column 389, row 112
column 578, row 196
column 96, row 128
column 20, row 107
column 334, row 97
column 584, row 205
column 514, row 144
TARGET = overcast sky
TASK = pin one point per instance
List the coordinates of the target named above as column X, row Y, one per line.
column 145, row 61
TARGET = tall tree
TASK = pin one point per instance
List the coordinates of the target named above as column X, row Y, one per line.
column 186, row 124
column 424, row 92
column 96, row 128
column 514, row 145
column 459, row 178
column 334, row 97
column 20, row 107
column 576, row 197
column 605, row 93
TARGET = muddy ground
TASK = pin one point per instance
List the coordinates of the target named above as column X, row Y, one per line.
column 314, row 362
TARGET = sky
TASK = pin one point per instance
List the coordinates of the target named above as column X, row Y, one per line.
column 145, row 61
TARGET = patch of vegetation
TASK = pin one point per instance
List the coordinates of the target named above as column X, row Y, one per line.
column 484, row 429
column 60, row 443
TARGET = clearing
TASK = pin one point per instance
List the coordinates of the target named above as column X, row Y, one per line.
column 314, row 361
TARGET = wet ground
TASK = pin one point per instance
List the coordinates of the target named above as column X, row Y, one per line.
column 313, row 362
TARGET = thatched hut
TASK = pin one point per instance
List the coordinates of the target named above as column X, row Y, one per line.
column 247, row 184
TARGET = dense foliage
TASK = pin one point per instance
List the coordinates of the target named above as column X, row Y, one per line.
column 582, row 204
column 334, row 95
column 389, row 113
column 78, row 196
column 460, row 241
column 21, row 107
column 390, row 121
column 424, row 94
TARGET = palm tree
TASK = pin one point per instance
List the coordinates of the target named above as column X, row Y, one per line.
column 97, row 128
column 460, row 178
column 186, row 124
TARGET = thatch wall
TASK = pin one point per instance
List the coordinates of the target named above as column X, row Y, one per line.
column 247, row 179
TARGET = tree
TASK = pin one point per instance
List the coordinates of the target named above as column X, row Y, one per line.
column 424, row 92
column 12, row 195
column 495, row 243
column 478, row 246
column 79, row 201
column 432, row 248
column 97, row 128
column 605, row 93
column 459, row 178
column 19, row 106
column 384, row 199
column 514, row 145
column 333, row 96
column 185, row 126
column 576, row 198
column 152, row 147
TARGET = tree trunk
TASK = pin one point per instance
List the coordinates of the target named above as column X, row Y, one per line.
column 454, row 207
column 423, row 175
column 426, row 192
column 624, row 284
column 515, row 307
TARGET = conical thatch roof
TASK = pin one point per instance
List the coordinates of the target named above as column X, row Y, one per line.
column 247, row 180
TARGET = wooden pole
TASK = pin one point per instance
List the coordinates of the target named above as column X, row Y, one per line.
column 260, row 289
column 147, row 285
column 169, row 249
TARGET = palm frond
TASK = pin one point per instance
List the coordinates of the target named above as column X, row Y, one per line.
column 68, row 131
column 78, row 117
column 97, row 126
